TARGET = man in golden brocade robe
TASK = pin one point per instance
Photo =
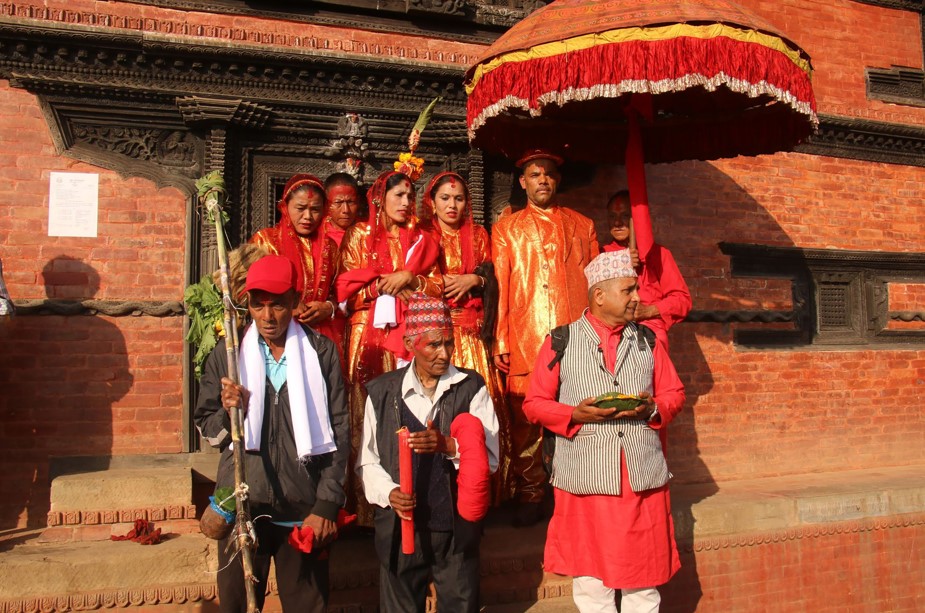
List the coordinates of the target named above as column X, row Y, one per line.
column 540, row 254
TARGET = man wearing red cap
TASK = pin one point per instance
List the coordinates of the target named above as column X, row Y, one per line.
column 296, row 435
column 611, row 528
column 432, row 398
column 539, row 253
column 665, row 299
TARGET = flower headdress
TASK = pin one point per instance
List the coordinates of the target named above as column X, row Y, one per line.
column 408, row 164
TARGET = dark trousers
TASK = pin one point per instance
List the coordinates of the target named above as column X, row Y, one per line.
column 302, row 579
column 403, row 589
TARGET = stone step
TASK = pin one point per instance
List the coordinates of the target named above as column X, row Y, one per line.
column 54, row 576
column 77, row 575
column 178, row 572
column 94, row 497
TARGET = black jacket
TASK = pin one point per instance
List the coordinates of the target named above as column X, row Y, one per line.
column 278, row 482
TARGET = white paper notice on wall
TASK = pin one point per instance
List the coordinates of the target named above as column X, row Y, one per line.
column 73, row 203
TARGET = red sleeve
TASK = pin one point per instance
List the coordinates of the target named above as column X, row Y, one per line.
column 669, row 391
column 540, row 404
column 676, row 301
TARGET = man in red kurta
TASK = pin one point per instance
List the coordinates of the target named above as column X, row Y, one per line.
column 611, row 528
column 540, row 253
column 664, row 299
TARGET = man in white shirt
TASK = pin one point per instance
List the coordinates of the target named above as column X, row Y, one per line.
column 426, row 397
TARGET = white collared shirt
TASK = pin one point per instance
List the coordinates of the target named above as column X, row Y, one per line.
column 376, row 481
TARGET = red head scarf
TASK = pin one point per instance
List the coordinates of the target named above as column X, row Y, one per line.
column 292, row 245
column 430, row 222
column 377, row 241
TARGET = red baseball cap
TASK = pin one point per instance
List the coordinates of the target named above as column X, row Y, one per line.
column 272, row 273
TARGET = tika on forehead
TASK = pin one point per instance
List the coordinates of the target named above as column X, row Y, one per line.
column 610, row 265
column 425, row 314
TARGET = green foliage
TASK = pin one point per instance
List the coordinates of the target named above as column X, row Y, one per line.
column 212, row 187
column 614, row 400
column 204, row 307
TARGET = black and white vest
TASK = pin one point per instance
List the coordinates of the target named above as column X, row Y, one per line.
column 589, row 462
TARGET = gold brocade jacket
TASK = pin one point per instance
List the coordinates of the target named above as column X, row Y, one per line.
column 540, row 256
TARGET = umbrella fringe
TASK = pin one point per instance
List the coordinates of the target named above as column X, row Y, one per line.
column 613, row 70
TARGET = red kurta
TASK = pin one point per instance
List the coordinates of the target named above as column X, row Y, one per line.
column 661, row 284
column 626, row 541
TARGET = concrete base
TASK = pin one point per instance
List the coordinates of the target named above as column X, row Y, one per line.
column 713, row 523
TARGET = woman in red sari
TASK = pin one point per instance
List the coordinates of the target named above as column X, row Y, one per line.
column 298, row 237
column 383, row 261
column 465, row 263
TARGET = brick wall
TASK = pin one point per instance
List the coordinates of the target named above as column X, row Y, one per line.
column 750, row 413
column 771, row 412
column 82, row 385
column 848, row 566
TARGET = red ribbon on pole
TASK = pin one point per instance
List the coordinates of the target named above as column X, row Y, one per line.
column 406, row 484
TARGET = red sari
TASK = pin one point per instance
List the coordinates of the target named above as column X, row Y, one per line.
column 315, row 256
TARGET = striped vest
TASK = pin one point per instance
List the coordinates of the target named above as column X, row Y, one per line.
column 589, row 462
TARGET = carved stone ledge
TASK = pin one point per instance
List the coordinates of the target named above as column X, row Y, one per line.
column 862, row 139
column 803, row 532
column 907, row 316
column 94, row 517
column 725, row 317
column 897, row 84
column 112, row 308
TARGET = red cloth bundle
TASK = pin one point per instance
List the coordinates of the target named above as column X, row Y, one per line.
column 142, row 532
column 473, row 478
column 303, row 537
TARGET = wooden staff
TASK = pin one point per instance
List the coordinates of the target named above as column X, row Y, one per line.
column 212, row 195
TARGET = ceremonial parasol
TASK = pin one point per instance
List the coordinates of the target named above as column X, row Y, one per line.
column 628, row 81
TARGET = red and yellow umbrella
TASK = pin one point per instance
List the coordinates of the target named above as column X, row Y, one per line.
column 641, row 80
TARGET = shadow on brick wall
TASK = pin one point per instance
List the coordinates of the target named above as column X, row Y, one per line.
column 61, row 376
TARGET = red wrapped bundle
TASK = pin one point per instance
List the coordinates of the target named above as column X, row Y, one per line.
column 406, row 484
column 473, row 478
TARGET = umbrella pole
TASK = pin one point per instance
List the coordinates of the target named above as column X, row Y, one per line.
column 636, row 182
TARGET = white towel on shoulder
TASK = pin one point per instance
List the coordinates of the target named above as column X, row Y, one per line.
column 308, row 394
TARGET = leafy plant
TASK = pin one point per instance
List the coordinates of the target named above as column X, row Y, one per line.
column 204, row 307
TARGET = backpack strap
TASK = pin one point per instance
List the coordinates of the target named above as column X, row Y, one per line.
column 645, row 334
column 559, row 342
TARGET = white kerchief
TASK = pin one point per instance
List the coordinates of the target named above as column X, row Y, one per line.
column 385, row 314
column 311, row 422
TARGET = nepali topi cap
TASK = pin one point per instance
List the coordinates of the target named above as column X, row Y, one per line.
column 425, row 313
column 610, row 265
column 539, row 154
column 272, row 273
